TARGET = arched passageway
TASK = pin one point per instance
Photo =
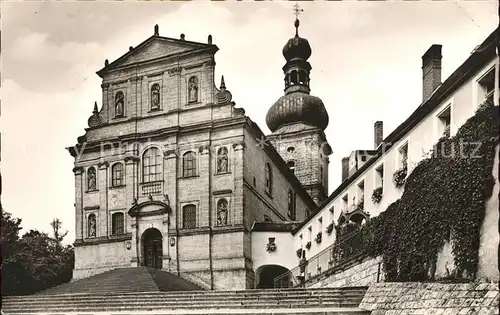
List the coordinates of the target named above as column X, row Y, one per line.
column 266, row 274
column 152, row 242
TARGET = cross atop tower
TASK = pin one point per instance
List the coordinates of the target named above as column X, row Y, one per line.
column 297, row 10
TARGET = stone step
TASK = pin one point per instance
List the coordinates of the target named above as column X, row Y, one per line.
column 34, row 304
column 97, row 289
column 159, row 307
column 143, row 296
column 204, row 293
column 304, row 311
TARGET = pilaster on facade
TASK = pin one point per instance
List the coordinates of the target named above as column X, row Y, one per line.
column 105, row 101
column 238, row 182
column 79, row 218
column 170, row 175
column 103, row 180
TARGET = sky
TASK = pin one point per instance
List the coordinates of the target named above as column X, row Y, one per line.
column 366, row 66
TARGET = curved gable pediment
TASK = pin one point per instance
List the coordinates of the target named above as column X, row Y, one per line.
column 148, row 208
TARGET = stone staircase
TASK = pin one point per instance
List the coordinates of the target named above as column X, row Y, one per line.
column 338, row 301
column 123, row 280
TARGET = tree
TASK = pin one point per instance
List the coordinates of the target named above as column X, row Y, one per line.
column 36, row 261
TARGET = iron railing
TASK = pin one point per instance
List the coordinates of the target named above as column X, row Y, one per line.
column 346, row 248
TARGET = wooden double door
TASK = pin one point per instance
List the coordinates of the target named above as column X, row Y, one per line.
column 153, row 249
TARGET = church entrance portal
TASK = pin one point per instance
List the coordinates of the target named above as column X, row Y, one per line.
column 152, row 246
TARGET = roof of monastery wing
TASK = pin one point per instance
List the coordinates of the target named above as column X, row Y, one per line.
column 478, row 58
column 156, row 47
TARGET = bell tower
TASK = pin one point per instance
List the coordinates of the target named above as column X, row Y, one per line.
column 297, row 120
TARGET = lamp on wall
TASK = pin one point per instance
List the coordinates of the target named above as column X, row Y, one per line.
column 172, row 241
column 128, row 245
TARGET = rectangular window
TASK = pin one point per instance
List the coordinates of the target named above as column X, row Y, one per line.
column 117, row 175
column 379, row 177
column 444, row 122
column 117, row 223
column 361, row 193
column 291, row 205
column 189, row 216
column 345, row 202
column 486, row 87
column 403, row 157
column 189, row 164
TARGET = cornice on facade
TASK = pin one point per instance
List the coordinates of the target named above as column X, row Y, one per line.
column 274, row 226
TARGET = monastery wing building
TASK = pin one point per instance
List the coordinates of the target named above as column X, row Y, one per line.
column 170, row 174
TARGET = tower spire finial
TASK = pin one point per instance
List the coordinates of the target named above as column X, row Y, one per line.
column 222, row 83
column 296, row 11
column 95, row 111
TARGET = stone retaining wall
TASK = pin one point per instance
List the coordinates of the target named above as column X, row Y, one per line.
column 361, row 274
column 431, row 298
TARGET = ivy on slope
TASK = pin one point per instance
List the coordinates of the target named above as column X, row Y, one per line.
column 444, row 200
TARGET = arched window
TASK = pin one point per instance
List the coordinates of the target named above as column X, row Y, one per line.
column 293, row 77
column 222, row 160
column 291, row 204
column 189, row 164
column 91, row 225
column 151, row 165
column 117, row 175
column 119, row 103
column 269, row 179
column 117, row 223
column 291, row 166
column 189, row 216
column 155, row 96
column 302, row 77
column 91, row 179
column 222, row 212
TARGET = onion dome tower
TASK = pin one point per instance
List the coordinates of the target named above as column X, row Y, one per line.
column 297, row 120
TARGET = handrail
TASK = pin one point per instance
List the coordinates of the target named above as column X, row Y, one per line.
column 329, row 258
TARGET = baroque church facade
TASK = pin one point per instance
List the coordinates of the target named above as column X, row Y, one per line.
column 170, row 174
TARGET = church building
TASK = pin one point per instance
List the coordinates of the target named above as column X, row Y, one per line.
column 170, row 174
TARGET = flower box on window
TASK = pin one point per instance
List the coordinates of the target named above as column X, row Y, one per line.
column 377, row 195
column 299, row 252
column 271, row 247
column 329, row 228
column 318, row 238
column 399, row 177
column 308, row 245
